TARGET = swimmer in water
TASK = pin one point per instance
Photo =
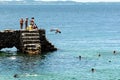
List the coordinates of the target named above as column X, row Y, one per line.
column 109, row 61
column 56, row 30
column 93, row 70
column 80, row 57
column 99, row 55
column 114, row 52
column 16, row 76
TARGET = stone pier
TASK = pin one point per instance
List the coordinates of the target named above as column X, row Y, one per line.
column 31, row 42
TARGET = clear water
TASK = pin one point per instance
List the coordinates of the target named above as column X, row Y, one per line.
column 87, row 30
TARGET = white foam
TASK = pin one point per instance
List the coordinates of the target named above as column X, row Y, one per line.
column 12, row 57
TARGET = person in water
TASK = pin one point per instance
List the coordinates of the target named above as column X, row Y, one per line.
column 93, row 70
column 99, row 55
column 80, row 57
column 21, row 23
column 56, row 30
column 114, row 52
column 16, row 76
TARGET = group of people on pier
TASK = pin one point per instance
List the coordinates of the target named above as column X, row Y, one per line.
column 32, row 25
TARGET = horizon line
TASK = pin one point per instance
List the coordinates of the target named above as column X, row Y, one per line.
column 54, row 2
column 62, row 1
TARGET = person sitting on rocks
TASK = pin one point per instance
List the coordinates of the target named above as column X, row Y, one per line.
column 35, row 27
column 30, row 27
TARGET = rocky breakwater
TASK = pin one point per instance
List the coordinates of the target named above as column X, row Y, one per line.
column 10, row 38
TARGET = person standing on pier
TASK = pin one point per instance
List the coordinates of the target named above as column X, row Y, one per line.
column 21, row 23
column 26, row 23
column 32, row 21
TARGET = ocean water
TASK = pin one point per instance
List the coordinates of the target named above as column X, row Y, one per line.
column 87, row 31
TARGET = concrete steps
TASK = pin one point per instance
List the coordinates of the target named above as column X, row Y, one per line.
column 30, row 42
column 30, row 34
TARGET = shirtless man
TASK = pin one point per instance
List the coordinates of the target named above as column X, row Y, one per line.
column 21, row 23
column 26, row 23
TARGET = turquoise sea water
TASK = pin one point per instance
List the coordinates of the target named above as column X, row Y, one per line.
column 87, row 30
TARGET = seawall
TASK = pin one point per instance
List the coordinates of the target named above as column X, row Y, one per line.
column 9, row 39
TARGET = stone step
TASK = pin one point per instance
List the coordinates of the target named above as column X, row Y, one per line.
column 31, row 31
column 34, row 40
column 31, row 45
column 31, row 42
column 33, row 51
column 30, row 34
column 30, row 37
column 32, row 48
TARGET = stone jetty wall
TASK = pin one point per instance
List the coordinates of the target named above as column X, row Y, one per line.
column 9, row 39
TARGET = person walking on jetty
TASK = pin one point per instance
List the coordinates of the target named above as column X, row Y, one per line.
column 21, row 23
column 26, row 23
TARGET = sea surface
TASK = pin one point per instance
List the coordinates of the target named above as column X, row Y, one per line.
column 91, row 31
